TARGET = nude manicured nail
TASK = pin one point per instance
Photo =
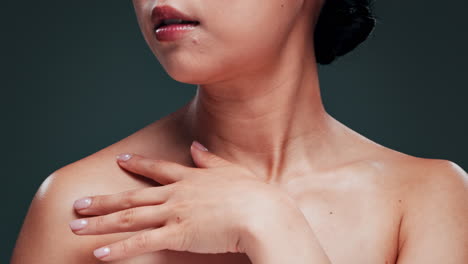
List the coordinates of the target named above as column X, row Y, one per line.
column 199, row 146
column 78, row 224
column 124, row 157
column 82, row 203
column 101, row 252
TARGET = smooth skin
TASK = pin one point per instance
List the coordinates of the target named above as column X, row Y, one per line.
column 243, row 212
column 258, row 105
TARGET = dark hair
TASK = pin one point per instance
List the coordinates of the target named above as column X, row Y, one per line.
column 342, row 25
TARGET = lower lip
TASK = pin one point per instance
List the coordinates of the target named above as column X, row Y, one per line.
column 173, row 32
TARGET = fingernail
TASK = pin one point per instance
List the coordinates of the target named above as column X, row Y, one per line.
column 199, row 146
column 124, row 157
column 82, row 203
column 101, row 252
column 78, row 224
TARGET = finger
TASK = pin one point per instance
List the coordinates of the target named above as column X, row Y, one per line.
column 105, row 204
column 203, row 158
column 162, row 171
column 128, row 220
column 143, row 242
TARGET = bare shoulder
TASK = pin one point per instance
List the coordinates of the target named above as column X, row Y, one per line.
column 45, row 230
column 434, row 226
column 428, row 181
column 433, row 202
column 45, row 236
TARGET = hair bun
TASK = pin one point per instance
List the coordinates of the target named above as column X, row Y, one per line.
column 341, row 27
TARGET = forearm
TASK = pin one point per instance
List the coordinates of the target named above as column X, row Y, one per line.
column 285, row 241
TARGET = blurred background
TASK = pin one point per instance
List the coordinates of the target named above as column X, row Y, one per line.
column 77, row 76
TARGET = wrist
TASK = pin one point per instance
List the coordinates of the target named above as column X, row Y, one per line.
column 265, row 208
column 274, row 220
column 265, row 231
column 284, row 237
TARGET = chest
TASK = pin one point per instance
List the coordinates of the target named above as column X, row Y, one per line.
column 358, row 229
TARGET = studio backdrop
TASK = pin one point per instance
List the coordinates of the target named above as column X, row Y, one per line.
column 78, row 76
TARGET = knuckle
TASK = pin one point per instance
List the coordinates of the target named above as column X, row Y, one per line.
column 173, row 242
column 126, row 218
column 172, row 238
column 185, row 242
column 128, row 199
column 125, row 247
column 99, row 222
column 141, row 240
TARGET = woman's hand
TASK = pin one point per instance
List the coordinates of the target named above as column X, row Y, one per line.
column 209, row 209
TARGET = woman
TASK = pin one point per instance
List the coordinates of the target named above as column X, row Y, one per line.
column 282, row 181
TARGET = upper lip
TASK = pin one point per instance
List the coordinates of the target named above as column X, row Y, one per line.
column 167, row 12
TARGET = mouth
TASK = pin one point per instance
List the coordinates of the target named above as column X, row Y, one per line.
column 164, row 16
column 174, row 21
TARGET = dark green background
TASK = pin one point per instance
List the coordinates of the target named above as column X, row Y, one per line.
column 77, row 76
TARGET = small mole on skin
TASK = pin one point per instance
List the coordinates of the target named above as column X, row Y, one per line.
column 331, row 212
column 178, row 219
column 282, row 5
column 399, row 201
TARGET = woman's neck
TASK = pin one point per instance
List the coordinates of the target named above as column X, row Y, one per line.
column 272, row 122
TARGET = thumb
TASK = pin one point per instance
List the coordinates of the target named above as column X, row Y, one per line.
column 203, row 158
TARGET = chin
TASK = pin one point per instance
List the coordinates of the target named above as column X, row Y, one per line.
column 187, row 77
column 194, row 73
